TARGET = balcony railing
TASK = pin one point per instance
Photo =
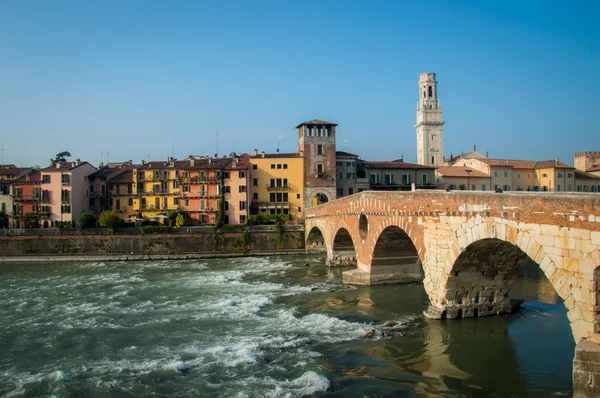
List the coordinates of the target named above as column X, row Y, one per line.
column 26, row 198
column 286, row 187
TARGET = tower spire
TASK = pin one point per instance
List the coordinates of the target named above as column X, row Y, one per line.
column 430, row 139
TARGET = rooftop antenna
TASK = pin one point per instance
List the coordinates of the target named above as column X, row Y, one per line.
column 173, row 148
column 217, row 154
column 2, row 154
column 102, row 156
column 107, row 157
column 278, row 138
column 233, row 147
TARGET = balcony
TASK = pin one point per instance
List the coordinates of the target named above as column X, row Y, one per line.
column 273, row 205
column 26, row 198
column 286, row 187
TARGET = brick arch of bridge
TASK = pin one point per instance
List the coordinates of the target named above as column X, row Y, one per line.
column 364, row 245
column 573, row 273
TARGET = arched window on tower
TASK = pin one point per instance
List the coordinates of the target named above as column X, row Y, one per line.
column 430, row 91
column 424, row 94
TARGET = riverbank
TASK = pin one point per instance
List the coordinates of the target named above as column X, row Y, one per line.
column 141, row 257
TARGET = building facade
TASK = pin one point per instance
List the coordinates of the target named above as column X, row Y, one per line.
column 398, row 175
column 277, row 184
column 237, row 205
column 65, row 191
column 27, row 201
column 316, row 146
column 430, row 133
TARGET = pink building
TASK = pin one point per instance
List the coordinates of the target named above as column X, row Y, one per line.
column 65, row 191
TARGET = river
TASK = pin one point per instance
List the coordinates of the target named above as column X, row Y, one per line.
column 281, row 326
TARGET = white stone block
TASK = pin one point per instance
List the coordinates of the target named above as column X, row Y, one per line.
column 550, row 230
column 595, row 236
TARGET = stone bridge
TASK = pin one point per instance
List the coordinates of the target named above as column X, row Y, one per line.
column 466, row 248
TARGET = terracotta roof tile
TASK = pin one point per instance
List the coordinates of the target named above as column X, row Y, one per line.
column 64, row 166
column 525, row 164
column 583, row 174
column 346, row 154
column 379, row 164
column 317, row 121
column 277, row 155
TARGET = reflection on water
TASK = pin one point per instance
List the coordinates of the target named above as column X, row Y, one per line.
column 279, row 326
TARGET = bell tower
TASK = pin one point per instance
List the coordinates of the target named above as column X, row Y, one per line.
column 430, row 134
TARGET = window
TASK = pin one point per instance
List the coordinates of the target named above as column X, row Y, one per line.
column 389, row 179
column 186, row 188
column 569, row 188
column 340, row 192
column 350, row 191
column 374, row 179
column 254, row 167
column 278, row 165
column 273, row 165
column 46, row 179
column 560, row 174
column 506, row 174
column 299, row 209
column 285, row 165
column 320, row 169
column 483, row 187
column 242, row 188
column 341, row 177
column 186, row 202
column 506, row 187
column 473, row 187
column 423, row 179
column 570, row 175
column 242, row 174
column 558, row 188
column 255, row 196
column 226, row 189
column 297, row 196
column 91, row 188
column 350, row 164
column 433, row 160
column 544, row 175
column 65, row 209
column 226, row 205
column 495, row 174
column 430, row 92
column 519, row 175
column 118, row 204
column 255, row 182
column 319, row 149
column 338, row 164
column 242, row 219
column 65, row 179
column 201, row 204
column 350, row 176
column 242, row 205
column 405, row 179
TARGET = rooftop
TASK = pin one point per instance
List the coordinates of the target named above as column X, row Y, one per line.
column 386, row 164
column 345, row 154
column 277, row 155
column 57, row 166
column 583, row 174
column 316, row 121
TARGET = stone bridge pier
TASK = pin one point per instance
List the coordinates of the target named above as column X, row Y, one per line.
column 467, row 247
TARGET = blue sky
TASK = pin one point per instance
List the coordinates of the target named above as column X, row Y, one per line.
column 151, row 79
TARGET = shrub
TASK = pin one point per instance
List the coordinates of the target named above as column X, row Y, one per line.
column 87, row 219
column 180, row 221
column 109, row 219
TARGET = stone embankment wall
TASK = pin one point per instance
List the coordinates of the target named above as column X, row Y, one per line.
column 207, row 241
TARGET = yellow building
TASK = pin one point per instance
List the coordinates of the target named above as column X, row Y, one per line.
column 277, row 184
column 156, row 187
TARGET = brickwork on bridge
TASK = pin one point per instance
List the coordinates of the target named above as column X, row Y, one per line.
column 469, row 244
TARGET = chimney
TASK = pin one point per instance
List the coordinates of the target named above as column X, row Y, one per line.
column 255, row 152
column 263, row 154
column 474, row 148
column 143, row 162
column 192, row 162
column 77, row 162
column 209, row 161
column 58, row 165
column 51, row 162
column 486, row 155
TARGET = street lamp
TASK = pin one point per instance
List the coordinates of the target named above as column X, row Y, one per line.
column 468, row 179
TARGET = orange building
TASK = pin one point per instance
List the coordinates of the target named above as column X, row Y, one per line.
column 26, row 198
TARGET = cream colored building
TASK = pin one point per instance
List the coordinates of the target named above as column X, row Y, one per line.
column 463, row 179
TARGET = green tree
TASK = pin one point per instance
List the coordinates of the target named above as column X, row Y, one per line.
column 179, row 221
column 172, row 217
column 87, row 219
column 61, row 156
column 109, row 219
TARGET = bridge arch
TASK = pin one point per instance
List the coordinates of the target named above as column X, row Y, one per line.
column 343, row 251
column 315, row 241
column 394, row 257
column 495, row 252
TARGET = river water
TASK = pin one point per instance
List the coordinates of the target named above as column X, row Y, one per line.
column 264, row 327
